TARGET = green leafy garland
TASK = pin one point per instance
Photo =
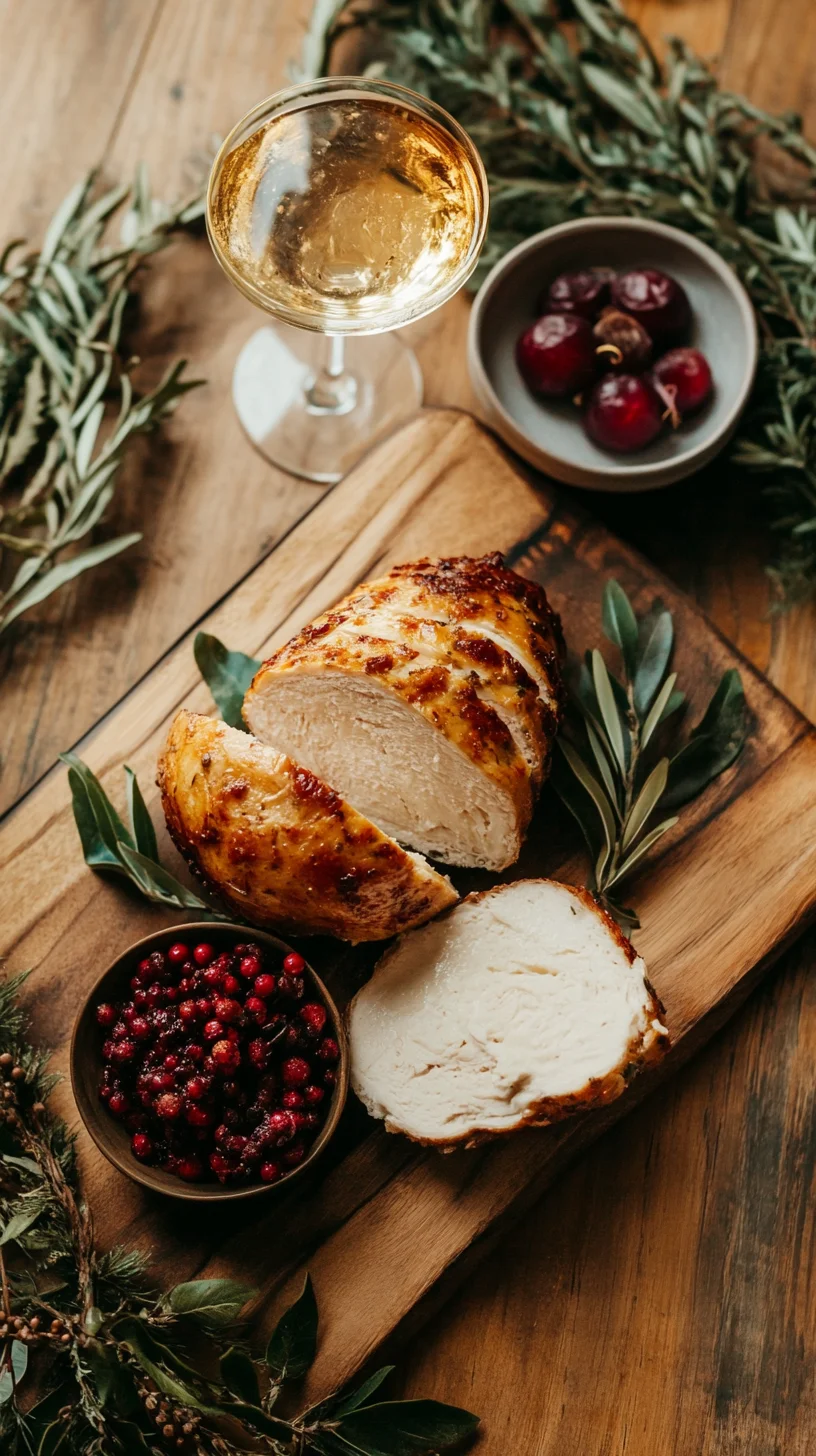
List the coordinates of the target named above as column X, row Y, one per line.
column 119, row 1369
column 574, row 115
column 63, row 360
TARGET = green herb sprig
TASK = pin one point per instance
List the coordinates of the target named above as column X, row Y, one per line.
column 62, row 362
column 574, row 115
column 621, row 766
column 93, row 1361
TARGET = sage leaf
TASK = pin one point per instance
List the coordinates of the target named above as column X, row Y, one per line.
column 620, row 624
column 293, row 1343
column 239, row 1376
column 588, row 781
column 10, row 1377
column 622, row 98
column 656, row 637
column 157, row 884
column 144, row 834
column 216, row 1302
column 227, row 675
column 108, row 822
column 94, row 848
column 406, row 1427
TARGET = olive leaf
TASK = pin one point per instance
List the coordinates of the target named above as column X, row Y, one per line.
column 64, row 366
column 227, row 674
column 606, row 772
column 293, row 1343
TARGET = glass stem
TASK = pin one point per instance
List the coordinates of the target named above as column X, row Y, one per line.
column 332, row 391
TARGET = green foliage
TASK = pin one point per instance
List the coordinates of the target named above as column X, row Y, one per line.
column 63, row 360
column 608, row 772
column 132, row 854
column 574, row 116
column 227, row 675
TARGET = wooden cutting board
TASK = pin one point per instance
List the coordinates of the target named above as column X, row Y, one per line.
column 388, row 1226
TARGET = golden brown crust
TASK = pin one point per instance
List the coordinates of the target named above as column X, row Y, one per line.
column 597, row 1092
column 281, row 847
column 427, row 632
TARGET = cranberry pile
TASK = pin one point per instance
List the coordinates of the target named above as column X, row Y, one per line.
column 218, row 1065
column 616, row 343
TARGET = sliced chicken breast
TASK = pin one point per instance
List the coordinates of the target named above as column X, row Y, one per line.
column 521, row 1006
column 436, row 728
column 281, row 847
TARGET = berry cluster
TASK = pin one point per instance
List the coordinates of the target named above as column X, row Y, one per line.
column 218, row 1066
column 597, row 323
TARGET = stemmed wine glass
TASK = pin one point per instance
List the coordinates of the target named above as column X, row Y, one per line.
column 343, row 207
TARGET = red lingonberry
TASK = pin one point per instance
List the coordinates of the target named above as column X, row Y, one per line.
column 328, row 1050
column 294, row 1155
column 213, row 1030
column 123, row 1051
column 270, row 1172
column 139, row 1027
column 170, row 1062
column 264, row 985
column 294, row 964
column 257, row 1052
column 314, row 1016
column 118, row 1104
column 185, row 986
column 256, row 1008
column 220, row 1166
column 204, row 1008
column 177, row 953
column 313, row 1095
column 295, row 1071
column 227, row 1009
column 189, row 1168
column 107, row 1050
column 292, row 1100
column 141, row 1146
column 223, row 963
column 144, row 971
column 198, row 1116
column 119, row 1030
column 155, row 995
column 212, row 975
column 187, row 1011
column 310, row 1121
column 170, row 995
column 230, row 985
column 278, row 1128
column 161, row 1081
column 168, row 1106
column 140, row 998
column 197, row 1087
column 203, row 954
column 192, row 1052
column 106, row 1013
column 330, row 1077
column 226, row 1055
column 291, row 988
column 249, row 966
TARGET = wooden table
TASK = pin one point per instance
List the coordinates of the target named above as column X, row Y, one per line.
column 659, row 1299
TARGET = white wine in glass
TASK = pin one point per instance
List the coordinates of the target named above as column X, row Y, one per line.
column 344, row 208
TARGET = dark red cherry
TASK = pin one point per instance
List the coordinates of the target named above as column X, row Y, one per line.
column 657, row 301
column 625, row 413
column 621, row 342
column 683, row 376
column 556, row 355
column 583, row 293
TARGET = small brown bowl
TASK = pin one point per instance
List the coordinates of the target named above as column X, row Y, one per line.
column 110, row 1136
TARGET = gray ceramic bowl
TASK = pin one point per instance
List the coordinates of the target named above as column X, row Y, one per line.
column 549, row 434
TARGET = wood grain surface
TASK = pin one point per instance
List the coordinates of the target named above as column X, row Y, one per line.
column 662, row 1293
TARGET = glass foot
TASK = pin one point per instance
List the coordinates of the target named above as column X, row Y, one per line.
column 279, row 392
